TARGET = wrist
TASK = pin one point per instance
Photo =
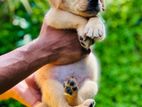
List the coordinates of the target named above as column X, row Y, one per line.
column 36, row 54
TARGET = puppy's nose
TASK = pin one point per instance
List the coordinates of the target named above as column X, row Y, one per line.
column 94, row 5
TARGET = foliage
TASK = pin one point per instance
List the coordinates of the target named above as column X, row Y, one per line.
column 119, row 55
column 10, row 103
column 16, row 22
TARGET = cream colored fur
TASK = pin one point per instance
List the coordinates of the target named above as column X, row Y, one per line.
column 50, row 77
column 69, row 14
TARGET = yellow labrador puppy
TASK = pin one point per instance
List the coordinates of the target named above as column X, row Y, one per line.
column 80, row 15
column 72, row 85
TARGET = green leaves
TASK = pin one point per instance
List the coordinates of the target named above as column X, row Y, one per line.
column 16, row 22
column 12, row 5
column 120, row 54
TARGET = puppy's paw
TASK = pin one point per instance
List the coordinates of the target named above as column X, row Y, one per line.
column 95, row 29
column 85, row 41
column 88, row 103
column 70, row 87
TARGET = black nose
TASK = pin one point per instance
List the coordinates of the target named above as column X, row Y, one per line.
column 93, row 5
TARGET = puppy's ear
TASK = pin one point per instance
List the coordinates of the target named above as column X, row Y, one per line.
column 103, row 4
column 55, row 3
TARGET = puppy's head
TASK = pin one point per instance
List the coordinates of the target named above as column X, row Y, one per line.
column 85, row 8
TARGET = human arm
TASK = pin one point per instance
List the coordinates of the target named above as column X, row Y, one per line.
column 56, row 46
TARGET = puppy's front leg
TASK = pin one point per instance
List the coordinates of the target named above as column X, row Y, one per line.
column 95, row 29
column 64, row 20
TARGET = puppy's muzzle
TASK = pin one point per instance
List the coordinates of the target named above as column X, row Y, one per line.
column 93, row 6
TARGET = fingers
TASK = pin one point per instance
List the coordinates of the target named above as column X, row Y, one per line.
column 30, row 81
column 26, row 90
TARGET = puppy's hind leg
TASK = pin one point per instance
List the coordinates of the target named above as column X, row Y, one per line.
column 72, row 97
column 71, row 92
column 53, row 94
column 88, row 90
column 87, row 103
column 41, row 105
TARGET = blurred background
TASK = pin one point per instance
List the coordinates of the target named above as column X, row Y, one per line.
column 120, row 55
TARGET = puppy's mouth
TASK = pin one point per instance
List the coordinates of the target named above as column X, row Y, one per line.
column 90, row 13
column 94, row 7
column 90, row 9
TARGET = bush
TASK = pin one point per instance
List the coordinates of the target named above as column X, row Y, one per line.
column 119, row 55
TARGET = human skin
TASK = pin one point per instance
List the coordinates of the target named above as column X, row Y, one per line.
column 52, row 46
column 28, row 91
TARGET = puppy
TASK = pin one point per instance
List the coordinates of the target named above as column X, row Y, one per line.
column 80, row 15
column 72, row 85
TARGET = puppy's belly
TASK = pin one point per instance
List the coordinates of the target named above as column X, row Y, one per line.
column 86, row 68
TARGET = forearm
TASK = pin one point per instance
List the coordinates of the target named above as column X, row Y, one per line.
column 20, row 63
column 56, row 46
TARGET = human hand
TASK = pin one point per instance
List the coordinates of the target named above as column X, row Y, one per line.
column 64, row 42
column 28, row 91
